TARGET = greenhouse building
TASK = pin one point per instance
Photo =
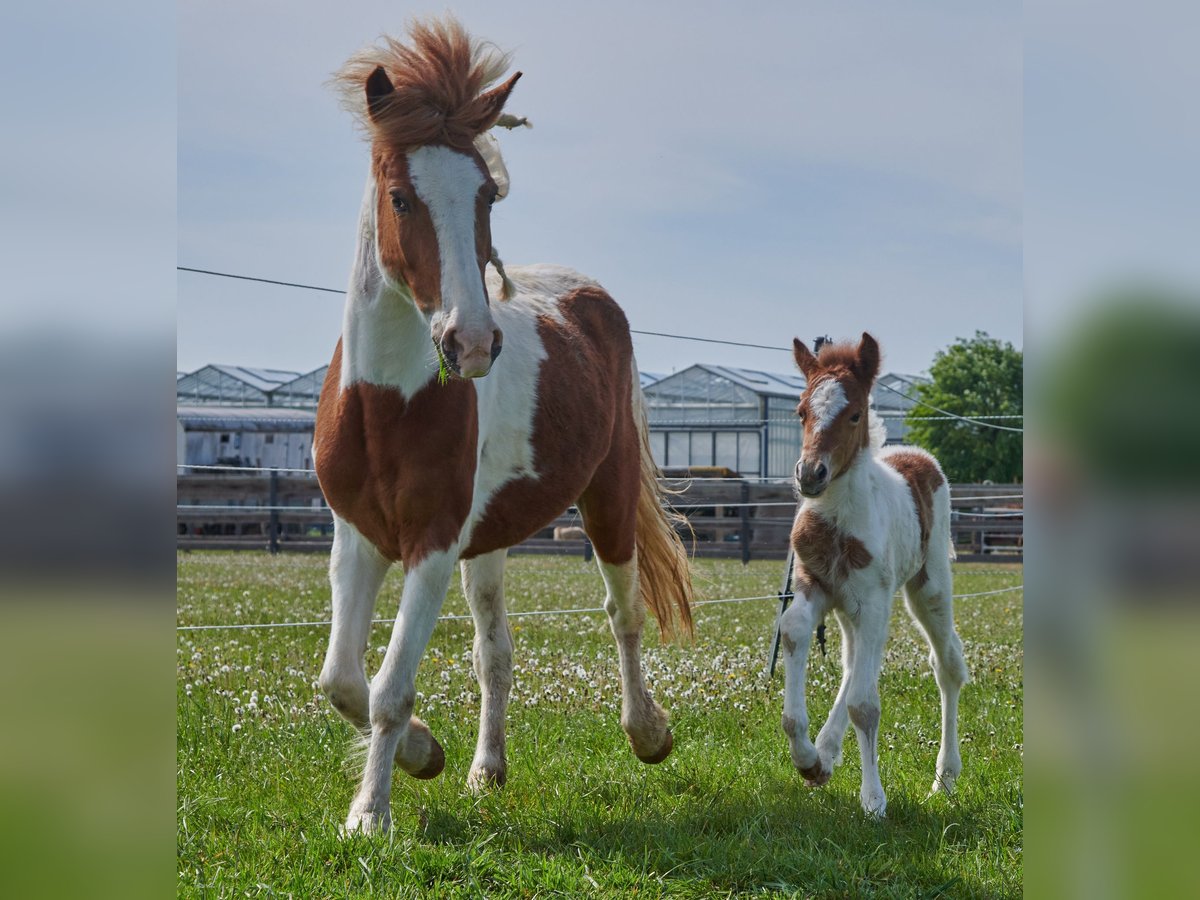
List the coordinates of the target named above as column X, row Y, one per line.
column 744, row 420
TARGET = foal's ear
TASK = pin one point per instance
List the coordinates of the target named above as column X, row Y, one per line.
column 867, row 366
column 487, row 107
column 379, row 88
column 805, row 360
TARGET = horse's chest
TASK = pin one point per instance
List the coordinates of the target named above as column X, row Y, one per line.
column 825, row 551
column 400, row 471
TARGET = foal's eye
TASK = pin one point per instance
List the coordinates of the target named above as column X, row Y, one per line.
column 854, row 418
column 399, row 204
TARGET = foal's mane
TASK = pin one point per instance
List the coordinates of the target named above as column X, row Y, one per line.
column 838, row 357
column 437, row 79
column 838, row 360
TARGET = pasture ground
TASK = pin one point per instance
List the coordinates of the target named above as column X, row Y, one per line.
column 265, row 777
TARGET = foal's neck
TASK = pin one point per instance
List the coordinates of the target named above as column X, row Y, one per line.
column 850, row 492
column 385, row 338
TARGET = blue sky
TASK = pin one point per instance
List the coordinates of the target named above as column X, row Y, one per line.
column 744, row 174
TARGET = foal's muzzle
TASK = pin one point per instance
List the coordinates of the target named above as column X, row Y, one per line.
column 812, row 476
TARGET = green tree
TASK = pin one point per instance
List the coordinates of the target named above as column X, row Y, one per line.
column 980, row 376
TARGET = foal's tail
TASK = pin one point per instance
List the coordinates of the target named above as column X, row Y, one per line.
column 666, row 581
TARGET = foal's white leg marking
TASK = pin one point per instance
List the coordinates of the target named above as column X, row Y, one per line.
column 395, row 733
column 644, row 721
column 483, row 583
column 356, row 571
column 833, row 732
column 932, row 607
column 796, row 630
column 862, row 695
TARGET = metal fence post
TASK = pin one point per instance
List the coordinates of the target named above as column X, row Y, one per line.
column 273, row 501
column 745, row 536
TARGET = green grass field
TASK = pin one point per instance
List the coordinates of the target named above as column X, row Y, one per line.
column 265, row 773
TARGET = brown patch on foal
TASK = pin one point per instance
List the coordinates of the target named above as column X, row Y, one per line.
column 827, row 553
column 923, row 477
column 399, row 470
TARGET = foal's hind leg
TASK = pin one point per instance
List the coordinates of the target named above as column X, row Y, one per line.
column 483, row 583
column 356, row 571
column 929, row 600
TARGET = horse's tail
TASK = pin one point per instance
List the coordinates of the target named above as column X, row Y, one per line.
column 666, row 581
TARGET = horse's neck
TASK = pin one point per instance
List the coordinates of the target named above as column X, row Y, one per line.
column 385, row 339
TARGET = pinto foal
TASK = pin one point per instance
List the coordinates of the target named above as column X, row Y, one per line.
column 869, row 521
column 427, row 462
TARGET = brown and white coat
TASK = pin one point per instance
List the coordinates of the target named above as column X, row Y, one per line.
column 433, row 475
column 871, row 520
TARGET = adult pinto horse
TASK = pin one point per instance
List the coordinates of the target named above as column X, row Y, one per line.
column 870, row 520
column 435, row 472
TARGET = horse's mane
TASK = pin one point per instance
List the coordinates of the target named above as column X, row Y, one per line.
column 437, row 79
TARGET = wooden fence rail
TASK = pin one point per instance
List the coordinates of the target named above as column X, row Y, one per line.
column 729, row 517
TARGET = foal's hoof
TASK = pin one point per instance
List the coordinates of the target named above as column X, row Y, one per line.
column 817, row 775
column 486, row 778
column 367, row 822
column 437, row 761
column 662, row 753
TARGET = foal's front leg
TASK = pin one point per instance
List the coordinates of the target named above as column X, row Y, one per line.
column 644, row 721
column 395, row 732
column 483, row 583
column 795, row 633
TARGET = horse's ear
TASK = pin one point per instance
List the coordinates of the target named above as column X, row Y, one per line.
column 487, row 107
column 379, row 88
column 868, row 358
column 805, row 360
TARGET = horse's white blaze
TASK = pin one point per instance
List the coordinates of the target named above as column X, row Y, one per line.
column 448, row 184
column 826, row 402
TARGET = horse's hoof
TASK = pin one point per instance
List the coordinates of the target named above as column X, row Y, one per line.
column 663, row 752
column 437, row 761
column 817, row 775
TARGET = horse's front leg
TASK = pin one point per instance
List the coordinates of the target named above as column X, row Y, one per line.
column 644, row 721
column 356, row 571
column 483, row 583
column 795, row 634
column 395, row 733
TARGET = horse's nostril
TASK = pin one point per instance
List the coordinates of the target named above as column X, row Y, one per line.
column 496, row 348
column 821, row 471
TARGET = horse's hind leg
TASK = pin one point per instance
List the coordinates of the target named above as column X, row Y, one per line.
column 610, row 517
column 356, row 572
column 928, row 596
column 644, row 721
column 483, row 583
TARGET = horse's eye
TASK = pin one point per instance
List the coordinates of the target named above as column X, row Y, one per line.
column 399, row 204
column 854, row 418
